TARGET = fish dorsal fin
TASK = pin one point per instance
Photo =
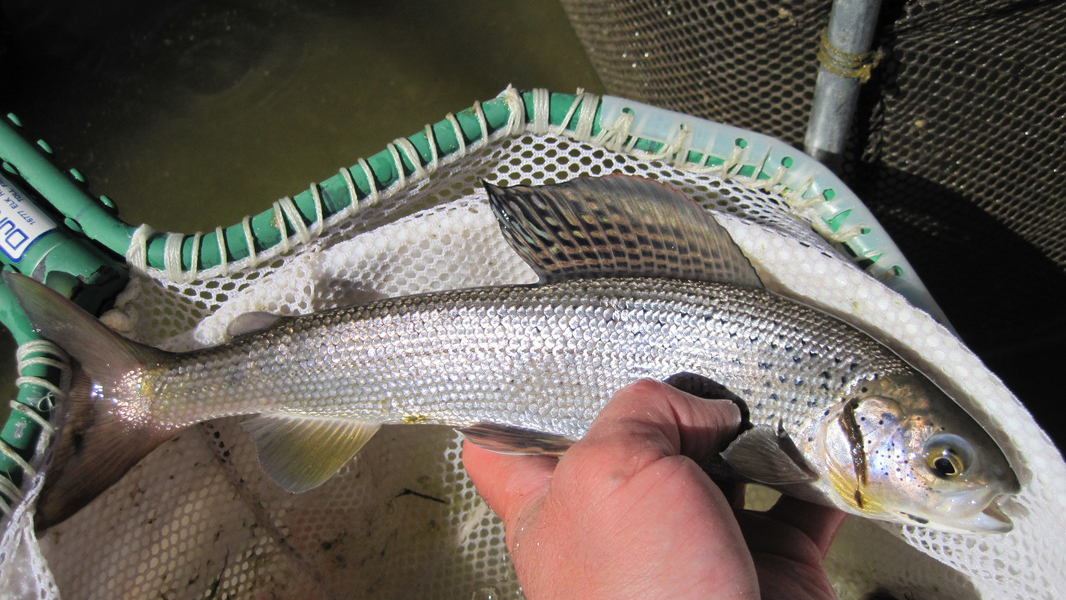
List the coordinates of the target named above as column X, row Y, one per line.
column 617, row 226
column 300, row 453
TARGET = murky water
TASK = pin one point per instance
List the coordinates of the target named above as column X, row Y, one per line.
column 195, row 116
column 198, row 113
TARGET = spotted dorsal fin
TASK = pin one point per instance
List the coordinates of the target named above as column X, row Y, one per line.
column 617, row 226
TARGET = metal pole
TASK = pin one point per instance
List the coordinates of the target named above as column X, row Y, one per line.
column 848, row 38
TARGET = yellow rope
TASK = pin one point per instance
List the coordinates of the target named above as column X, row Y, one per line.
column 852, row 66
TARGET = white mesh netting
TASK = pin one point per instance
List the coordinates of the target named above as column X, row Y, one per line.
column 198, row 519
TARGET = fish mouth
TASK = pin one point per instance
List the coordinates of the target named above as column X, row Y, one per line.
column 991, row 519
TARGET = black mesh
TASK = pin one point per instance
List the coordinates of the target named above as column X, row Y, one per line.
column 743, row 63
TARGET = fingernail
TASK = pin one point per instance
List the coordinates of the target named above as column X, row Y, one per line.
column 735, row 413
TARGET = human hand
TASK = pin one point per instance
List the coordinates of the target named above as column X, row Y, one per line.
column 628, row 513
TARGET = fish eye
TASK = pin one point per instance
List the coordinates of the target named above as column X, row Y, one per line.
column 948, row 455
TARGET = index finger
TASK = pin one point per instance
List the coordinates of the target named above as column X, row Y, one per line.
column 654, row 420
column 644, row 422
column 508, row 483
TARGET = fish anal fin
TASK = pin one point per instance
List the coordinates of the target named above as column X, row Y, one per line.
column 507, row 439
column 300, row 453
column 767, row 456
column 617, row 226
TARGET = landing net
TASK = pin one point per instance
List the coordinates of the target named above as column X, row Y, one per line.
column 198, row 518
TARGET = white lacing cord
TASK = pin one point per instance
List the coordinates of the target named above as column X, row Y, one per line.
column 285, row 209
column 30, row 354
column 375, row 194
column 434, row 155
column 587, row 118
column 194, row 258
column 223, row 256
column 10, row 453
column 172, row 256
column 587, row 104
column 541, row 111
column 45, row 404
column 412, row 155
column 774, row 182
column 616, row 137
column 40, row 346
column 459, row 137
column 354, row 205
column 46, row 428
column 249, row 238
column 677, row 146
column 560, row 129
column 303, row 232
column 677, row 150
column 483, row 123
column 753, row 180
column 803, row 207
column 516, row 111
column 10, row 490
column 401, row 177
column 137, row 254
column 795, row 199
column 409, row 152
column 735, row 161
column 320, row 211
column 353, row 192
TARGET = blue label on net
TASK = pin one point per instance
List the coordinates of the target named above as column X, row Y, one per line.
column 21, row 223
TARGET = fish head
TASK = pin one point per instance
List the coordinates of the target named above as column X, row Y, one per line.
column 900, row 449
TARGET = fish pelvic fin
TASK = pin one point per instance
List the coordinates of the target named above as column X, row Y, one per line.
column 300, row 452
column 106, row 425
column 617, row 226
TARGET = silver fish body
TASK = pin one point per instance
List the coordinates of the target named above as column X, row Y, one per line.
column 538, row 357
column 637, row 281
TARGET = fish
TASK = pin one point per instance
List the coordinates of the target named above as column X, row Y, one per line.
column 636, row 280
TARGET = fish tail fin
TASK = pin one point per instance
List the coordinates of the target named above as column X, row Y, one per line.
column 107, row 426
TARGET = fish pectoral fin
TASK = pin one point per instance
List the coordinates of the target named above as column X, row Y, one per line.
column 300, row 453
column 507, row 439
column 252, row 322
column 768, row 456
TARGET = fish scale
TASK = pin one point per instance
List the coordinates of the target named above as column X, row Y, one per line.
column 460, row 358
